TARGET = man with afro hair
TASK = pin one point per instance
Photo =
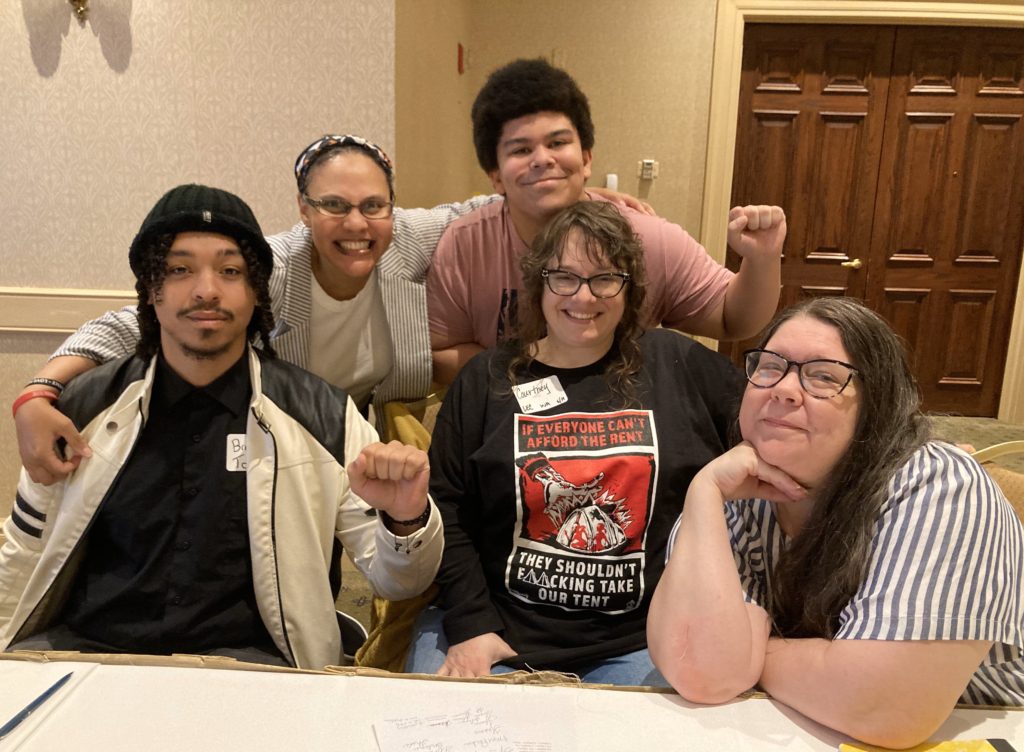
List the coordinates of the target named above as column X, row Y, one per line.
column 534, row 137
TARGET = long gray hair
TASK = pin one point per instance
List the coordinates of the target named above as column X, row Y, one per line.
column 824, row 566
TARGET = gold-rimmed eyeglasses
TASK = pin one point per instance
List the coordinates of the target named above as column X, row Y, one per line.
column 371, row 208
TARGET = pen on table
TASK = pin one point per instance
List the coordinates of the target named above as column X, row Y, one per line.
column 34, row 705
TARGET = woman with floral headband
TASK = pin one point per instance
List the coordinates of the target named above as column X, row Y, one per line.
column 347, row 293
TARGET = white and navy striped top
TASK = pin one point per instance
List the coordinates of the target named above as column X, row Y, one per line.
column 947, row 563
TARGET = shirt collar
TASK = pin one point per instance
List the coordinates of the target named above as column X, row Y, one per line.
column 231, row 389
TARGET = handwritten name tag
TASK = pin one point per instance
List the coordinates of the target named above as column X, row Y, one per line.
column 535, row 396
column 235, row 455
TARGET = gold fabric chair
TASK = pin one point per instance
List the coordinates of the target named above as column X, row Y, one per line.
column 1010, row 481
column 391, row 622
column 412, row 422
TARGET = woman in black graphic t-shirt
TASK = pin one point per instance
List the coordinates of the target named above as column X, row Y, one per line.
column 559, row 463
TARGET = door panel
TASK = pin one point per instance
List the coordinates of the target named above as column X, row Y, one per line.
column 901, row 148
column 949, row 208
column 809, row 139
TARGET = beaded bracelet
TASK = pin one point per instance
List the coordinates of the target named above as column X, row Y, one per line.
column 43, row 381
column 414, row 521
column 40, row 393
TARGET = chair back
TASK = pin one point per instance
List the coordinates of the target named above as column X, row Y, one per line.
column 1010, row 482
column 411, row 422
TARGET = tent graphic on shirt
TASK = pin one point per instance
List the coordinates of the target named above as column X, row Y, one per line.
column 584, row 485
column 588, row 517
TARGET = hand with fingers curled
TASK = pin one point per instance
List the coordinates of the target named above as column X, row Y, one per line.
column 475, row 656
column 40, row 428
column 740, row 473
column 757, row 232
column 393, row 478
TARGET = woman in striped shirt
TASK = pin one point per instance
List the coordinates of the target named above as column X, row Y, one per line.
column 862, row 574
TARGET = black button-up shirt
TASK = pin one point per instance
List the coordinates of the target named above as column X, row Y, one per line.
column 167, row 566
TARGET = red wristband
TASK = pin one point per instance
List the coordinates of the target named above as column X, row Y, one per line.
column 40, row 393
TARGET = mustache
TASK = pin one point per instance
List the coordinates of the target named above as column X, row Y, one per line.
column 206, row 309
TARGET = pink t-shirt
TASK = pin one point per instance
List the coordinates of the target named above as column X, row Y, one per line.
column 474, row 277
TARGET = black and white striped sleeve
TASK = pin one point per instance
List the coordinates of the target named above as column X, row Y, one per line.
column 111, row 336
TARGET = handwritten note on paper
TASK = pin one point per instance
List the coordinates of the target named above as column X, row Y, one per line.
column 472, row 730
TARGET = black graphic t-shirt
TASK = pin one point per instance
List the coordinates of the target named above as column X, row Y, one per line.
column 556, row 521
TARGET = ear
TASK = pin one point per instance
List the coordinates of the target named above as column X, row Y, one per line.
column 588, row 158
column 304, row 209
column 495, row 176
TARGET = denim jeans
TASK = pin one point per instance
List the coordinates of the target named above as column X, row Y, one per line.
column 430, row 645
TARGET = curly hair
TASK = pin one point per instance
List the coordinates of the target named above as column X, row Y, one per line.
column 150, row 280
column 607, row 238
column 823, row 567
column 524, row 87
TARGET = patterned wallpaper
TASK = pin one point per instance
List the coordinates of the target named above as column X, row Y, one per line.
column 99, row 120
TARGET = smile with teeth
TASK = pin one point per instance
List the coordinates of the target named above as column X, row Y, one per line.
column 580, row 316
column 353, row 247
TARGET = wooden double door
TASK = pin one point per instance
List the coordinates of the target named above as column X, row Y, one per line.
column 898, row 155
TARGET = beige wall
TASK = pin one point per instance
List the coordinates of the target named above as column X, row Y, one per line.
column 99, row 120
column 20, row 356
column 646, row 71
column 433, row 155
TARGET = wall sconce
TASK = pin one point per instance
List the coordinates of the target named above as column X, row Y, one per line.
column 81, row 10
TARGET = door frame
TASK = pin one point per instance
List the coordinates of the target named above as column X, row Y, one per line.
column 730, row 21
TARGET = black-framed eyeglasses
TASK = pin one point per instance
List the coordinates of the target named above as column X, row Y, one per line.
column 607, row 285
column 821, row 378
column 371, row 208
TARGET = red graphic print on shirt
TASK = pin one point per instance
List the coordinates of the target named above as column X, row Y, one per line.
column 585, row 485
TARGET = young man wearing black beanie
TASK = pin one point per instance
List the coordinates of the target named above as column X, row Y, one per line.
column 204, row 517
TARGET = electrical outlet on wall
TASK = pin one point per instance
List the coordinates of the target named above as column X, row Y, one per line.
column 647, row 169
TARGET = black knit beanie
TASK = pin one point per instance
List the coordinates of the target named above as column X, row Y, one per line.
column 199, row 208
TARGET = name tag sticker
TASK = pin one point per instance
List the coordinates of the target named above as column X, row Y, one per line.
column 539, row 395
column 235, row 454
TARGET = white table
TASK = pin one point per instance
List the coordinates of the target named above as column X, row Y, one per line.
column 113, row 707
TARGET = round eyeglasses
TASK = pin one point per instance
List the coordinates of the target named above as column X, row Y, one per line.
column 371, row 208
column 607, row 285
column 820, row 378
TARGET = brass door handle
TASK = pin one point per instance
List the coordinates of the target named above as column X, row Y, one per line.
column 854, row 264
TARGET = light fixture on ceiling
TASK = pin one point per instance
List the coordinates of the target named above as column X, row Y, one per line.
column 81, row 9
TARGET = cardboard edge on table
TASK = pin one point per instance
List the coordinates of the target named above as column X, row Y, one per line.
column 523, row 678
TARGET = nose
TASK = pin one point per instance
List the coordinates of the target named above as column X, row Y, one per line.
column 354, row 221
column 789, row 389
column 207, row 285
column 585, row 293
column 542, row 157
